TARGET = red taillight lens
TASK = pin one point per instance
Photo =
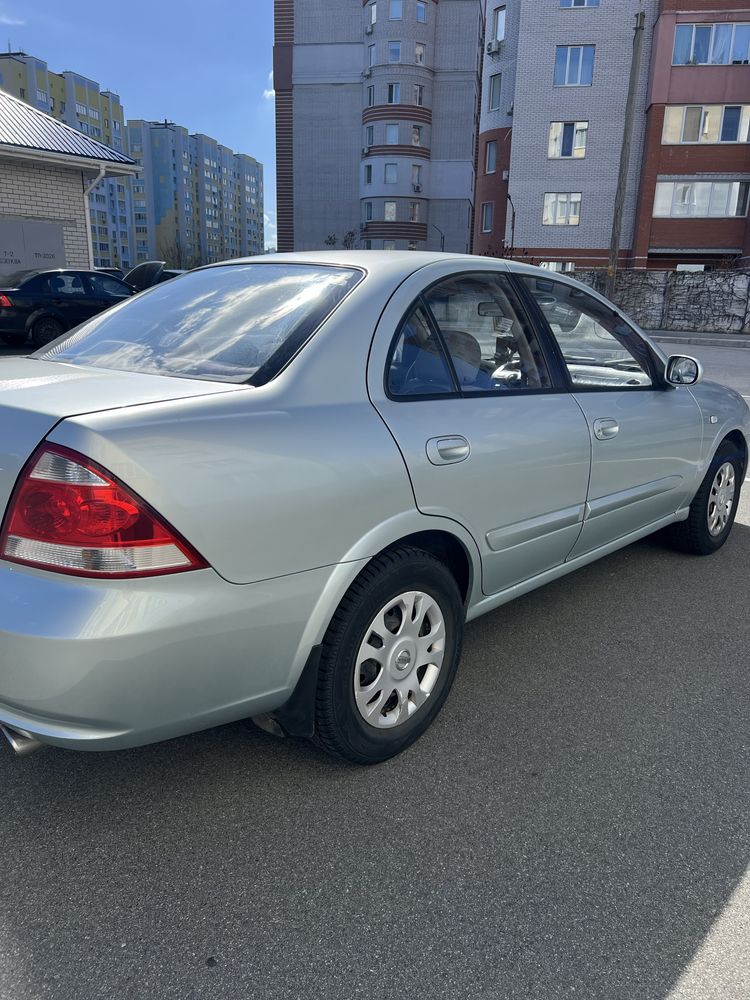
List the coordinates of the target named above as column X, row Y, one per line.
column 5, row 302
column 69, row 515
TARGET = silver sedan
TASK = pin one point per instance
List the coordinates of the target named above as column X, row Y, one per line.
column 278, row 488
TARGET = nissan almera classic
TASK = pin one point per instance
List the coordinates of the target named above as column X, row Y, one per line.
column 278, row 488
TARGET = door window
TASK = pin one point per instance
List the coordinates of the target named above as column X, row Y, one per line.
column 491, row 344
column 106, row 287
column 600, row 350
column 67, row 285
column 417, row 365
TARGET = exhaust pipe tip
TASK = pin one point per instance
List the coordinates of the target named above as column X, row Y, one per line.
column 23, row 743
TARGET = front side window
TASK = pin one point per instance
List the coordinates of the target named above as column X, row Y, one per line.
column 487, row 214
column 495, row 82
column 562, row 209
column 574, row 65
column 567, row 140
column 234, row 323
column 490, row 157
column 600, row 350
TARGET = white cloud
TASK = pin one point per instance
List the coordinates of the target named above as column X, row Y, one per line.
column 7, row 19
column 269, row 93
column 269, row 228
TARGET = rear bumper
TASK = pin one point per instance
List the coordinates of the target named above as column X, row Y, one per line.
column 99, row 665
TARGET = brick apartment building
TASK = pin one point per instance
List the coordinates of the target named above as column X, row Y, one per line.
column 554, row 85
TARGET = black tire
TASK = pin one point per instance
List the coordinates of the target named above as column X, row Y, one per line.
column 340, row 728
column 14, row 339
column 45, row 330
column 693, row 535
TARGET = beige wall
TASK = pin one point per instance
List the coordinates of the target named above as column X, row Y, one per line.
column 48, row 193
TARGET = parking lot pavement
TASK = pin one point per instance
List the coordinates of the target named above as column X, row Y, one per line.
column 575, row 825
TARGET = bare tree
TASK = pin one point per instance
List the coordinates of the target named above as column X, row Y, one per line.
column 331, row 240
column 350, row 239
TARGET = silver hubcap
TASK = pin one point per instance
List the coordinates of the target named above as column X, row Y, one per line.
column 399, row 662
column 721, row 499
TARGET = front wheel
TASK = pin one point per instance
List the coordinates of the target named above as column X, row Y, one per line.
column 714, row 507
column 389, row 657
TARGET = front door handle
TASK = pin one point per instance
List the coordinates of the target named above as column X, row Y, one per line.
column 448, row 450
column 605, row 428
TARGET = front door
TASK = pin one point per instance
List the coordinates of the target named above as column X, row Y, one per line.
column 489, row 437
column 645, row 436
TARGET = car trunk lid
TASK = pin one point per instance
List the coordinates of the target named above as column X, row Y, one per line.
column 35, row 395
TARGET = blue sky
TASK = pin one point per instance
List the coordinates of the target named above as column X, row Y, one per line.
column 204, row 65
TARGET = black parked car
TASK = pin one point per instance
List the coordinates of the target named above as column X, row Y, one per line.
column 44, row 304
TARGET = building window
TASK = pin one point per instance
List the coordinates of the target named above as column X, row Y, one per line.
column 711, row 44
column 701, row 199
column 373, row 10
column 394, row 52
column 495, row 84
column 419, row 53
column 396, row 10
column 706, row 123
column 370, row 135
column 490, row 157
column 368, row 211
column 389, row 211
column 391, row 173
column 394, row 93
column 559, row 266
column 498, row 23
column 42, row 97
column 371, row 96
column 93, row 113
column 413, row 211
column 389, row 244
column 416, row 177
column 561, row 209
column 416, row 135
column 579, row 3
column 368, row 245
column 574, row 65
column 421, row 12
column 418, row 94
column 81, row 109
column 391, row 135
column 368, row 173
column 488, row 211
column 567, row 140
column 370, row 55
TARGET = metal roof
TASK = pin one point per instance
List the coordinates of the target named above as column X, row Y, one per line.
column 27, row 128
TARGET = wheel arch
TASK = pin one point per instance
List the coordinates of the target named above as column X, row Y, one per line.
column 44, row 313
column 737, row 438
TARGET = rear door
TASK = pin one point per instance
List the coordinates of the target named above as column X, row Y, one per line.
column 489, row 435
column 645, row 435
column 69, row 298
column 106, row 291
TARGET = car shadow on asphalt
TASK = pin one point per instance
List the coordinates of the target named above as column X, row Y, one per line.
column 571, row 826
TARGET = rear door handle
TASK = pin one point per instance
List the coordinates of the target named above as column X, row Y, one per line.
column 605, row 428
column 448, row 450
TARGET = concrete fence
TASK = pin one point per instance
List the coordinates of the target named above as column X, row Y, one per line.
column 694, row 301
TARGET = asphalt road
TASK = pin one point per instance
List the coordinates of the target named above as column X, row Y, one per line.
column 576, row 824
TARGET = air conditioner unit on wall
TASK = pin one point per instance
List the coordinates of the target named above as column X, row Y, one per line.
column 368, row 29
column 493, row 48
column 417, row 187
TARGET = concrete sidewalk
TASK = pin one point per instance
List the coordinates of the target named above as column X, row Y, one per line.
column 716, row 339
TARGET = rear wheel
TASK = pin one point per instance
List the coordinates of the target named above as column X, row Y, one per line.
column 45, row 330
column 714, row 507
column 389, row 657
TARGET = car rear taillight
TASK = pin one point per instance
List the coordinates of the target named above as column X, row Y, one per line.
column 69, row 515
column 5, row 302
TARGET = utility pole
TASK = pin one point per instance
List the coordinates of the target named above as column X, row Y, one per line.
column 622, row 179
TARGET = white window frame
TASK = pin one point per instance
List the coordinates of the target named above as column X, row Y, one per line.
column 396, row 48
column 420, row 49
column 569, row 49
column 556, row 142
column 491, row 145
column 371, row 55
column 498, row 23
column 421, row 9
column 391, row 134
column 491, row 92
column 685, row 193
column 390, row 211
column 713, row 26
column 743, row 127
column 553, row 200
column 488, row 216
column 393, row 172
column 394, row 89
column 417, row 132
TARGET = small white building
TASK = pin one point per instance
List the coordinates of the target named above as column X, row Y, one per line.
column 47, row 169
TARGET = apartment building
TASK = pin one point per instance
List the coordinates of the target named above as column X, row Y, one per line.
column 376, row 118
column 693, row 203
column 194, row 200
column 555, row 83
column 80, row 103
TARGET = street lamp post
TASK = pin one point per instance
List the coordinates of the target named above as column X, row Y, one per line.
column 442, row 237
column 512, row 225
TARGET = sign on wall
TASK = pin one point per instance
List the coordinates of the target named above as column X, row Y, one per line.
column 28, row 244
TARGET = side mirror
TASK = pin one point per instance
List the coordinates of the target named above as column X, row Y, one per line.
column 682, row 370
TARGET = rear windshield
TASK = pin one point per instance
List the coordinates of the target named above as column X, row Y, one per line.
column 234, row 323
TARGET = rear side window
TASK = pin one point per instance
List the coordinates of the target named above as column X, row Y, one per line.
column 235, row 323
